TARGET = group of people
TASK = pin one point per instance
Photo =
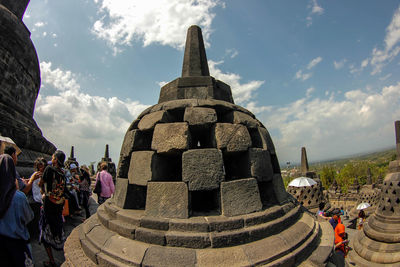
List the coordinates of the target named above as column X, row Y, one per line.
column 50, row 185
column 341, row 237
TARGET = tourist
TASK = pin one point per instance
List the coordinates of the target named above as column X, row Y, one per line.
column 334, row 221
column 321, row 212
column 84, row 189
column 72, row 184
column 15, row 213
column 24, row 185
column 361, row 219
column 51, row 221
column 107, row 184
column 341, row 241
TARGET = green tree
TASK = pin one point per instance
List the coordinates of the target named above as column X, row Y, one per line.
column 327, row 174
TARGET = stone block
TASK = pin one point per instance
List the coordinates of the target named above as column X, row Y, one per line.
column 200, row 117
column 135, row 140
column 122, row 228
column 238, row 117
column 121, row 188
column 188, row 240
column 130, row 252
column 167, row 199
column 123, row 166
column 222, row 224
column 150, row 236
column 231, row 137
column 169, row 256
column 150, row 120
column 194, row 224
column 279, row 188
column 266, row 140
column 260, row 164
column 229, row 238
column 140, row 168
column 154, row 223
column 203, row 169
column 223, row 257
column 171, row 137
column 240, row 197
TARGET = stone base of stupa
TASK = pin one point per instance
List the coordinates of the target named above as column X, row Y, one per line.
column 278, row 236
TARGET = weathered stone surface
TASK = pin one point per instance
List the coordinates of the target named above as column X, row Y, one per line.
column 202, row 169
column 171, row 137
column 121, row 188
column 238, row 117
column 168, row 256
column 150, row 120
column 140, row 169
column 188, row 240
column 150, row 236
column 123, row 249
column 260, row 164
column 231, row 137
column 167, row 199
column 200, row 117
column 233, row 256
column 266, row 140
column 19, row 85
column 135, row 140
column 240, row 197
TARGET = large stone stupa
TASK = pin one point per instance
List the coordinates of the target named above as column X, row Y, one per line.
column 19, row 86
column 198, row 184
column 378, row 244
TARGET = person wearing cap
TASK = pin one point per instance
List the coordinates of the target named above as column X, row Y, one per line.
column 52, row 184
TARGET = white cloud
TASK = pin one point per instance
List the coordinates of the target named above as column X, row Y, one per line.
column 72, row 117
column 303, row 76
column 314, row 63
column 232, row 53
column 335, row 126
column 380, row 58
column 39, row 24
column 310, row 91
column 44, row 34
column 315, row 10
column 153, row 21
column 339, row 64
column 242, row 92
column 54, row 35
column 387, row 76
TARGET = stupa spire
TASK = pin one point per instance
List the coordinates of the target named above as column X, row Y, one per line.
column 106, row 153
column 195, row 59
column 304, row 161
column 71, row 156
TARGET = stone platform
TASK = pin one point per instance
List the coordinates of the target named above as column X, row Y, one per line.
column 278, row 236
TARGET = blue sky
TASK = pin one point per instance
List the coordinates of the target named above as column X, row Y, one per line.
column 320, row 74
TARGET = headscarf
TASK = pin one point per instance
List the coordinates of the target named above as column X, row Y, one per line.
column 7, row 183
column 60, row 156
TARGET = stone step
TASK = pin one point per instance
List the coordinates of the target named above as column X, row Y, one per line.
column 106, row 248
column 155, row 231
column 193, row 224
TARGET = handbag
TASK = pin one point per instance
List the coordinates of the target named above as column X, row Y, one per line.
column 97, row 187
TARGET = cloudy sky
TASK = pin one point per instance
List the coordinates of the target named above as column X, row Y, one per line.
column 320, row 74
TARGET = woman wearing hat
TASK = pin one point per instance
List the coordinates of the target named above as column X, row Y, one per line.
column 51, row 222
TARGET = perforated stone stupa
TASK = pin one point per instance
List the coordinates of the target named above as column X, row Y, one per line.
column 379, row 242
column 19, row 86
column 308, row 196
column 71, row 159
column 198, row 184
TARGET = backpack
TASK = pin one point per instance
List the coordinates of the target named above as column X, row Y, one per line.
column 97, row 187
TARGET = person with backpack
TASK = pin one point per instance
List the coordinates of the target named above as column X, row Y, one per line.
column 107, row 184
column 51, row 222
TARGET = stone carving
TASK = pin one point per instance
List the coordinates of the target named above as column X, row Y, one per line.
column 199, row 183
column 379, row 241
column 19, row 86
